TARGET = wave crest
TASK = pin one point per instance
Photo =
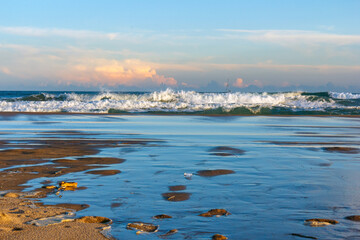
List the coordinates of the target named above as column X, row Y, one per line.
column 171, row 101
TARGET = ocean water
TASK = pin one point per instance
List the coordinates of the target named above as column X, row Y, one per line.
column 284, row 176
column 184, row 102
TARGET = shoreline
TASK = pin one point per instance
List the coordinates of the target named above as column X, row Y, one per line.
column 6, row 114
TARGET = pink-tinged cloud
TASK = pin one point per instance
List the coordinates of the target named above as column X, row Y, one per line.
column 240, row 83
column 5, row 70
column 160, row 79
column 129, row 72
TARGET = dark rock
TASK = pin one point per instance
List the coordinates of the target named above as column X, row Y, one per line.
column 171, row 232
column 353, row 218
column 115, row 205
column 218, row 237
column 177, row 188
column 342, row 150
column 226, row 151
column 176, row 196
column 162, row 216
column 104, row 172
column 213, row 173
column 141, row 226
column 215, row 212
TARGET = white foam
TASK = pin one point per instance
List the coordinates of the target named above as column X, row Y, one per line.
column 171, row 101
column 344, row 95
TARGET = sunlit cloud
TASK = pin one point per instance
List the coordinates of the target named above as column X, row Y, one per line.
column 96, row 68
column 129, row 72
column 68, row 67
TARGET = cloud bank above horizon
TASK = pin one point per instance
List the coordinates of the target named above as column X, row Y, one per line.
column 241, row 57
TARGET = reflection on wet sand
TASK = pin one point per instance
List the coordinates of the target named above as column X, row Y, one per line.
column 190, row 185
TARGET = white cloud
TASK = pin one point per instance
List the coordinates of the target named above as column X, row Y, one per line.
column 292, row 36
column 51, row 32
column 284, row 37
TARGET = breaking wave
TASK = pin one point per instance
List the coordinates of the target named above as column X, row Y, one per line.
column 183, row 102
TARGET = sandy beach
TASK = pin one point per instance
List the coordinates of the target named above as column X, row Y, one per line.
column 18, row 209
column 87, row 176
column 195, row 120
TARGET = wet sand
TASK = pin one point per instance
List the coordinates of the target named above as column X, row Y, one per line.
column 17, row 213
column 16, row 210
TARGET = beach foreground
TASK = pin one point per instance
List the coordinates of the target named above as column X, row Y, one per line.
column 188, row 177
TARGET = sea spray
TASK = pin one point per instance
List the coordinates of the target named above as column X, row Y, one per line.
column 183, row 102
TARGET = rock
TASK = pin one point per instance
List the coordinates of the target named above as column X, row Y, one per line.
column 226, row 151
column 177, row 188
column 49, row 186
column 141, row 226
column 171, row 232
column 162, row 216
column 342, row 150
column 215, row 212
column 320, row 222
column 176, row 196
column 218, row 237
column 104, row 172
column 68, row 186
column 12, row 195
column 72, row 206
column 214, row 173
column 353, row 218
column 115, row 204
column 94, row 219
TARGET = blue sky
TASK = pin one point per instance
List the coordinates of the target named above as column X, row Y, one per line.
column 202, row 45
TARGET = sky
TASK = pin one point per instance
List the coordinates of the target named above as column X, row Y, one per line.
column 202, row 45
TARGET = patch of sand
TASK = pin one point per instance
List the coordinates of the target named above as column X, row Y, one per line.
column 15, row 214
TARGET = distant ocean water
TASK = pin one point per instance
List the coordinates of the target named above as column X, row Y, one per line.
column 184, row 102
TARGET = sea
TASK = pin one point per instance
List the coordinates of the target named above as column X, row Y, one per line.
column 293, row 156
column 184, row 102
